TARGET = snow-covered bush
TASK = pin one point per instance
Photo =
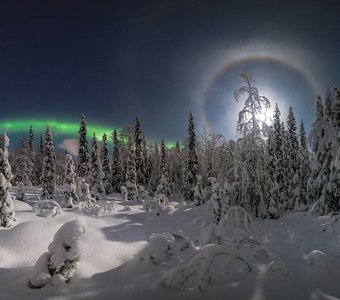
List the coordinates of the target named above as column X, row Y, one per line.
column 47, row 208
column 59, row 264
column 211, row 234
column 316, row 258
column 21, row 195
column 215, row 200
column 152, row 207
column 198, row 191
column 163, row 246
column 143, row 192
column 238, row 217
column 162, row 200
column 197, row 273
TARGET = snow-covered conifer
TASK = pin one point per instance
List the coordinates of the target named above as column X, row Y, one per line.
column 32, row 156
column 192, row 160
column 70, row 188
column 21, row 195
column 304, row 167
column 107, row 180
column 24, row 164
column 331, row 191
column 49, row 167
column 96, row 172
column 139, row 162
column 155, row 168
column 7, row 213
column 83, row 154
column 131, row 176
column 163, row 180
column 116, row 167
column 147, row 161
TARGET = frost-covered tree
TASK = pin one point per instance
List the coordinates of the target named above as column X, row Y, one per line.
column 83, row 153
column 328, row 106
column 147, row 161
column 7, row 213
column 116, row 167
column 139, row 162
column 215, row 200
column 163, row 186
column 331, row 191
column 131, row 176
column 304, row 167
column 155, row 168
column 21, row 195
column 96, row 171
column 24, row 164
column 39, row 160
column 192, row 160
column 49, row 167
column 32, row 156
column 293, row 163
column 336, row 111
column 59, row 264
column 252, row 130
column 198, row 192
column 70, row 187
column 107, row 180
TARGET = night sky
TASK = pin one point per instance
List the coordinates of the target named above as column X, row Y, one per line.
column 160, row 59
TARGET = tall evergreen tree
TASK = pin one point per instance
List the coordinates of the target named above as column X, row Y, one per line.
column 107, row 180
column 32, row 156
column 139, row 162
column 49, row 167
column 192, row 160
column 7, row 213
column 39, row 160
column 116, row 167
column 131, row 175
column 24, row 164
column 304, row 168
column 147, row 161
column 70, row 194
column 163, row 187
column 293, row 160
column 336, row 111
column 328, row 106
column 96, row 171
column 83, row 153
column 155, row 168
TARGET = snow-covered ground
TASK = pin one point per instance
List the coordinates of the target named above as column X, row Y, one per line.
column 289, row 258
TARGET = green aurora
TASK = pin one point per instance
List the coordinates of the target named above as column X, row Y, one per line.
column 58, row 128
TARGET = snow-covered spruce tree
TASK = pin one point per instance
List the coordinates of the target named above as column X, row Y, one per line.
column 83, row 153
column 107, row 180
column 163, row 186
column 139, row 162
column 24, row 164
column 96, row 172
column 175, row 170
column 272, row 188
column 21, row 195
column 252, row 130
column 155, row 168
column 59, row 264
column 304, row 167
column 49, row 167
column 331, row 191
column 131, row 176
column 7, row 213
column 293, row 163
column 70, row 188
column 192, row 160
column 32, row 155
column 39, row 160
column 116, row 167
column 147, row 162
column 328, row 106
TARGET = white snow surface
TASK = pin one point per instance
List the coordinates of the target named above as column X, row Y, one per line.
column 304, row 261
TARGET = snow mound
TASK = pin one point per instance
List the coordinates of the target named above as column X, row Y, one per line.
column 58, row 265
column 316, row 258
column 211, row 234
column 163, row 246
column 24, row 243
